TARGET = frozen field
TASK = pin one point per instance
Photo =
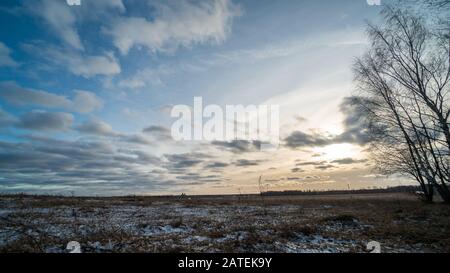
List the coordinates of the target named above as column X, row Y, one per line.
column 341, row 223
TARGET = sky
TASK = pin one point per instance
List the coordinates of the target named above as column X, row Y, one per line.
column 86, row 93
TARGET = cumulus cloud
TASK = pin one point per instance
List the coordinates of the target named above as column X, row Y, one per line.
column 89, row 66
column 160, row 132
column 63, row 20
column 5, row 56
column 182, row 24
column 84, row 65
column 83, row 101
column 302, row 139
column 59, row 17
column 18, row 95
column 146, row 77
column 86, row 101
column 96, row 127
column 46, row 121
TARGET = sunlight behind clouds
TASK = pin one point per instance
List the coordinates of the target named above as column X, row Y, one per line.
column 86, row 97
column 338, row 151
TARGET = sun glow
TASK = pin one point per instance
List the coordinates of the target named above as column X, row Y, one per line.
column 338, row 151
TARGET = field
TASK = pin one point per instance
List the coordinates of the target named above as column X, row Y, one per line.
column 293, row 224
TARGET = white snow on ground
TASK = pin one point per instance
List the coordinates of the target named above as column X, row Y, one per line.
column 317, row 244
column 165, row 226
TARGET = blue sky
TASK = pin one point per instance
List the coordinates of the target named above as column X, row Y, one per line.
column 80, row 84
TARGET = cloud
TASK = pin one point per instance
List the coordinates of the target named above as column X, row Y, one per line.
column 296, row 170
column 166, row 109
column 18, row 95
column 6, row 119
column 300, row 119
column 156, row 129
column 300, row 139
column 197, row 178
column 63, row 19
column 96, row 127
column 146, row 77
column 347, row 161
column 5, row 57
column 354, row 124
column 89, row 66
column 355, row 130
column 103, row 5
column 83, row 65
column 83, row 101
column 46, row 121
column 183, row 161
column 86, row 101
column 246, row 163
column 239, row 146
column 320, row 165
column 216, row 165
column 136, row 139
column 160, row 132
column 175, row 24
column 47, row 165
column 311, row 163
column 60, row 17
column 324, row 167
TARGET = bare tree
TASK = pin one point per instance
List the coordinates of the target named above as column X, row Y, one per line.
column 438, row 3
column 404, row 93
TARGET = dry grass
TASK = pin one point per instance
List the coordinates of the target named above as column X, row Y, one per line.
column 339, row 223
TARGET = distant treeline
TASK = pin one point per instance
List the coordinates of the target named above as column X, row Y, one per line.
column 408, row 189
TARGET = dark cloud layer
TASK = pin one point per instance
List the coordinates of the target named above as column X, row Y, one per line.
column 96, row 127
column 46, row 121
column 83, row 101
column 246, row 162
column 176, row 162
column 216, row 165
column 88, row 166
column 74, row 165
column 301, row 139
column 239, row 146
column 347, row 161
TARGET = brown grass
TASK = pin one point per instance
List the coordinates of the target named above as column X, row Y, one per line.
column 345, row 223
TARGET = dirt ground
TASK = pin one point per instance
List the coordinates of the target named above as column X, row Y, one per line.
column 292, row 224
